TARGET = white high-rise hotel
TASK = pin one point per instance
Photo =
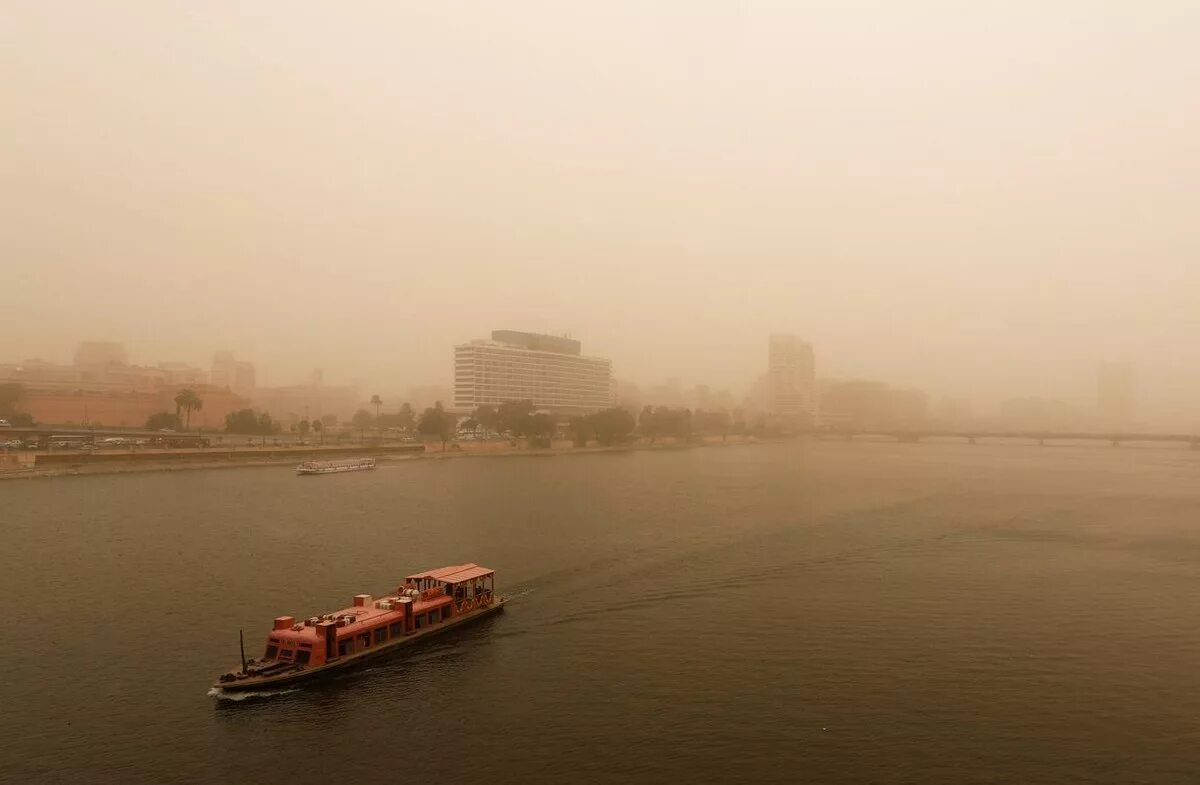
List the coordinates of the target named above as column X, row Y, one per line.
column 545, row 369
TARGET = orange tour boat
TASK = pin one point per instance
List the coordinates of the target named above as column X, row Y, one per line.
column 426, row 604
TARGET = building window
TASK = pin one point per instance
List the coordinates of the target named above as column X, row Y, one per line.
column 380, row 635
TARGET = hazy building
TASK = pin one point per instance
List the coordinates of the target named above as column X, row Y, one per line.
column 546, row 369
column 1114, row 393
column 791, row 378
column 244, row 378
column 223, row 370
column 237, row 375
column 102, row 388
column 180, row 373
column 100, row 353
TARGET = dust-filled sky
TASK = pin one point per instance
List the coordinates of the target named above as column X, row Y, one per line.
column 983, row 199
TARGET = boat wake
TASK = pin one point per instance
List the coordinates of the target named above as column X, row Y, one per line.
column 222, row 695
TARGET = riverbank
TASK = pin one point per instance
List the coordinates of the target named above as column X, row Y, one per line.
column 46, row 465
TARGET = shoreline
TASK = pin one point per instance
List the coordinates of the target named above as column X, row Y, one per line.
column 194, row 462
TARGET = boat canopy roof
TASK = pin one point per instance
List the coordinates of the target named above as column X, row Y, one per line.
column 454, row 574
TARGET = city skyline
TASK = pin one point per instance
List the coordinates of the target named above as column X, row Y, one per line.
column 787, row 390
column 1023, row 221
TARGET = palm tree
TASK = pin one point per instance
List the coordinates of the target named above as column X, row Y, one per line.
column 188, row 401
column 377, row 402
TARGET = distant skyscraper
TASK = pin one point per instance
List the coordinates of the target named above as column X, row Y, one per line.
column 545, row 369
column 1114, row 393
column 791, row 377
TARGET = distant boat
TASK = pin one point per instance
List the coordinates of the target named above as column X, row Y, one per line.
column 332, row 467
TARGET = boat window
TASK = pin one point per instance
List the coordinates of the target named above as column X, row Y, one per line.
column 446, row 613
column 271, row 652
column 364, row 640
column 396, row 629
column 380, row 635
column 345, row 646
column 302, row 656
column 433, row 618
column 285, row 655
column 420, row 618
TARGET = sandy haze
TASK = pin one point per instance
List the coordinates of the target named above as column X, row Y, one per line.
column 983, row 200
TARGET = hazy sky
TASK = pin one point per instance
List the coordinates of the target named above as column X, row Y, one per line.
column 977, row 198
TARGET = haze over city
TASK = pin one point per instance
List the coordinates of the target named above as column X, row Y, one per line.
column 576, row 391
column 979, row 201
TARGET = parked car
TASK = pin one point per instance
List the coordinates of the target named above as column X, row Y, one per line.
column 5, row 424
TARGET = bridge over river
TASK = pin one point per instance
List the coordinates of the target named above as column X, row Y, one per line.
column 1041, row 438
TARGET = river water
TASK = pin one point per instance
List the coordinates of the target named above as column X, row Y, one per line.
column 821, row 612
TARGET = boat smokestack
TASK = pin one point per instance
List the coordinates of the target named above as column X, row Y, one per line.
column 283, row 622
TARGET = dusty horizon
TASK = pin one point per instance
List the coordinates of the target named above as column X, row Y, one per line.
column 976, row 202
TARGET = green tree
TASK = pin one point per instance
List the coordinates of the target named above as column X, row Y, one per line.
column 648, row 423
column 583, row 428
column 377, row 402
column 10, row 394
column 156, row 422
column 612, row 426
column 437, row 422
column 488, row 417
column 242, row 421
column 404, row 419
column 714, row 422
column 537, row 428
column 408, row 418
column 512, row 415
column 362, row 421
column 267, row 425
column 188, row 401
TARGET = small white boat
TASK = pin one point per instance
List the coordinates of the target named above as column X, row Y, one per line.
column 333, row 467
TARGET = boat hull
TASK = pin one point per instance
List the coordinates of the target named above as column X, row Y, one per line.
column 336, row 470
column 303, row 673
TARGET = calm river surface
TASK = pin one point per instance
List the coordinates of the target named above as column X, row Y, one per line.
column 824, row 612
